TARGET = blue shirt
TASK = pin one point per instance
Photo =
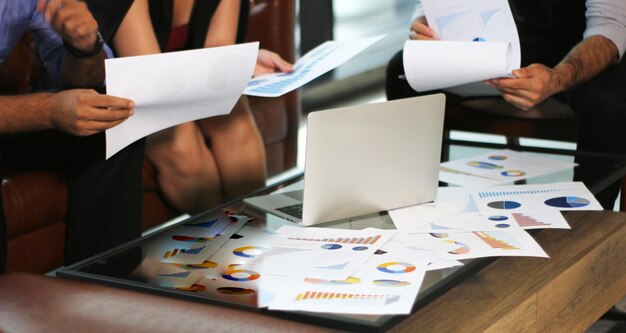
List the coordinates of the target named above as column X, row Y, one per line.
column 20, row 16
column 17, row 17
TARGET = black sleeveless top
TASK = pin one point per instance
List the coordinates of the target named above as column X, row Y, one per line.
column 548, row 29
column 109, row 15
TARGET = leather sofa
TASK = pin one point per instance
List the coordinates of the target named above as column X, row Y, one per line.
column 35, row 203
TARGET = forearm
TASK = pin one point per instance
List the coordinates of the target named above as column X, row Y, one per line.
column 82, row 72
column 25, row 113
column 588, row 59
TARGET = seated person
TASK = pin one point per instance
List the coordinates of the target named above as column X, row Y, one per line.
column 64, row 130
column 570, row 50
column 199, row 164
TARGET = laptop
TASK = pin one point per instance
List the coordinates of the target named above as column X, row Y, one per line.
column 365, row 159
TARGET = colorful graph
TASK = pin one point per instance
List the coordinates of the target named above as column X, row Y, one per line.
column 494, row 242
column 337, row 267
column 513, row 173
column 503, row 225
column 495, row 194
column 191, row 239
column 205, row 265
column 527, row 221
column 179, row 275
column 439, row 235
column 206, row 224
column 331, row 246
column 235, row 291
column 360, row 248
column 391, row 283
column 175, row 252
column 249, row 251
column 396, row 267
column 484, row 165
column 462, row 249
column 567, row 202
column 504, row 204
column 345, row 298
column 241, row 275
column 350, row 280
column 193, row 288
column 498, row 157
column 342, row 240
column 436, row 226
column 498, row 218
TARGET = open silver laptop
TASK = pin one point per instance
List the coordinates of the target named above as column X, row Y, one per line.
column 365, row 159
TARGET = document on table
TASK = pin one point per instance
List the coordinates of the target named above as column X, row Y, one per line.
column 563, row 196
column 176, row 87
column 477, row 40
column 316, row 62
column 498, row 167
column 385, row 284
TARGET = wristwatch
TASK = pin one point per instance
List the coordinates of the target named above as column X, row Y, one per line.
column 97, row 47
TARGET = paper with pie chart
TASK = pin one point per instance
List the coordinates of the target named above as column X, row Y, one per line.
column 321, row 252
column 455, row 211
column 499, row 167
column 386, row 284
column 565, row 196
column 476, row 40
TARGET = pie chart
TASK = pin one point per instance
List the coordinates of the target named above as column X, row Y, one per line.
column 567, row 202
column 504, row 204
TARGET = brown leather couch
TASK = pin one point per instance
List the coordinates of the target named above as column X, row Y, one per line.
column 35, row 203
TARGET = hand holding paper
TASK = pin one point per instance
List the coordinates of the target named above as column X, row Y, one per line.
column 177, row 87
column 477, row 41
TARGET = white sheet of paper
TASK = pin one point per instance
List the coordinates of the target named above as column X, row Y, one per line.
column 563, row 196
column 477, row 40
column 479, row 244
column 176, row 87
column 313, row 64
column 321, row 252
column 385, row 284
column 498, row 167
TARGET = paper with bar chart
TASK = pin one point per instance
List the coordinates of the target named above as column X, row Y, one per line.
column 321, row 252
column 195, row 241
column 385, row 284
column 525, row 199
column 499, row 167
column 313, row 64
column 458, row 214
column 477, row 40
column 477, row 244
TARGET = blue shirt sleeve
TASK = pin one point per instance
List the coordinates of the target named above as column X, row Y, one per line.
column 51, row 49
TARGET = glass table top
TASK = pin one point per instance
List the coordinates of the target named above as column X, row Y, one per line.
column 133, row 265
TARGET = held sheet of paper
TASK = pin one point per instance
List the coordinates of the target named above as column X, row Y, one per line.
column 477, row 40
column 176, row 87
column 316, row 62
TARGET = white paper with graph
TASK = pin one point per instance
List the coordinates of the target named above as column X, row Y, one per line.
column 499, row 167
column 476, row 40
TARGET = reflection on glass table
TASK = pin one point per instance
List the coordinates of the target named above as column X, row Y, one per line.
column 160, row 262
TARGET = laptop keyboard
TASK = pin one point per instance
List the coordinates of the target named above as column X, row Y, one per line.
column 293, row 210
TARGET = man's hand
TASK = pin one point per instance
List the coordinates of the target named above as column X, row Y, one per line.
column 85, row 112
column 72, row 20
column 420, row 30
column 531, row 86
column 271, row 62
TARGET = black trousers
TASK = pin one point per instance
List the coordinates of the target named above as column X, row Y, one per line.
column 104, row 196
column 600, row 105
